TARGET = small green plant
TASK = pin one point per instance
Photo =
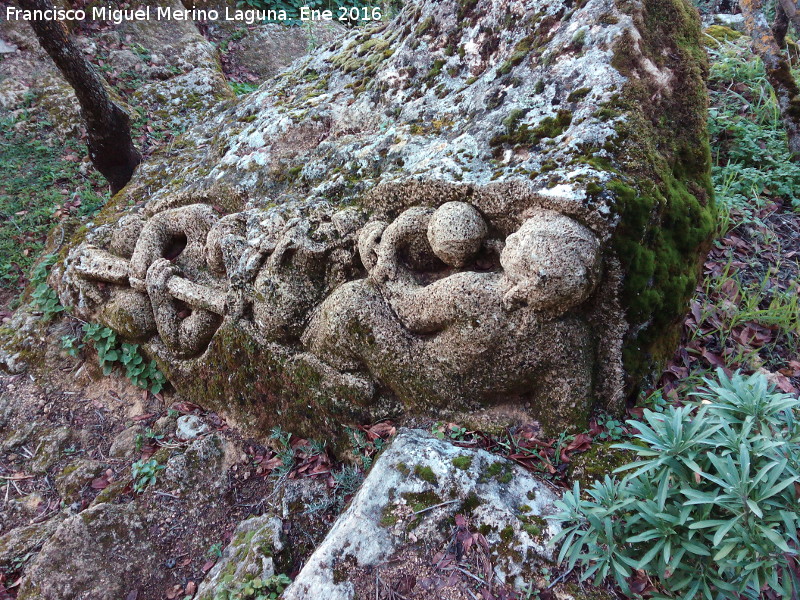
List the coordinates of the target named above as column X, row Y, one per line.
column 452, row 431
column 142, row 52
column 614, row 430
column 710, row 507
column 284, row 451
column 111, row 353
column 253, row 589
column 144, row 474
column 71, row 345
column 316, row 447
column 215, row 551
column 142, row 373
column 240, row 89
column 365, row 449
column 346, row 482
column 281, row 436
column 43, row 297
column 18, row 562
column 104, row 341
column 528, row 591
column 151, row 436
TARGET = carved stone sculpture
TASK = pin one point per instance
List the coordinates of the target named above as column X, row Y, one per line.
column 480, row 327
column 485, row 211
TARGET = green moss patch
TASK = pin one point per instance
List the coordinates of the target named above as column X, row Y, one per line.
column 525, row 135
column 665, row 199
column 462, row 462
column 470, row 503
column 715, row 35
column 579, row 94
column 426, row 474
column 499, row 471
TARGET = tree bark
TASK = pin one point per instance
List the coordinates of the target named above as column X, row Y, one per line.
column 780, row 25
column 108, row 128
column 791, row 8
column 779, row 74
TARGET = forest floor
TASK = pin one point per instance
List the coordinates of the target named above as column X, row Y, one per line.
column 744, row 316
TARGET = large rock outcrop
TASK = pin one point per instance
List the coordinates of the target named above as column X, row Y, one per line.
column 492, row 210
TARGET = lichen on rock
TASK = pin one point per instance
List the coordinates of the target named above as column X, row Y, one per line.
column 249, row 555
column 406, row 508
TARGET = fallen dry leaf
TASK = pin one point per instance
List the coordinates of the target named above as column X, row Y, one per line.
column 208, row 565
column 581, row 443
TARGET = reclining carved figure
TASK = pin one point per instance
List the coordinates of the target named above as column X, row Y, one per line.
column 475, row 328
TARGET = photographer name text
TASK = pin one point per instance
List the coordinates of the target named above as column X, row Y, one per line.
column 162, row 13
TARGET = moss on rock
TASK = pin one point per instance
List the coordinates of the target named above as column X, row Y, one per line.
column 665, row 199
column 597, row 462
column 716, row 35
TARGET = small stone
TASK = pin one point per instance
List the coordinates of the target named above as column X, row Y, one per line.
column 51, row 445
column 249, row 555
column 190, row 427
column 6, row 48
column 124, row 444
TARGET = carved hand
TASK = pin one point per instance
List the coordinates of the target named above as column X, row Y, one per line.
column 158, row 276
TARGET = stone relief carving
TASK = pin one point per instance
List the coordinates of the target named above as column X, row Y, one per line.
column 190, row 268
column 436, row 306
column 410, row 221
column 448, row 312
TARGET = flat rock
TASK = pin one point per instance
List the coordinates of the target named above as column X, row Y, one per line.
column 408, row 504
column 100, row 553
column 124, row 443
column 23, row 542
column 50, row 443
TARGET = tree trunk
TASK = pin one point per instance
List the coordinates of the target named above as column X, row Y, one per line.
column 791, row 8
column 780, row 25
column 779, row 74
column 111, row 148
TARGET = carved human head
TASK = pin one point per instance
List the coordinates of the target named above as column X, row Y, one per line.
column 551, row 262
